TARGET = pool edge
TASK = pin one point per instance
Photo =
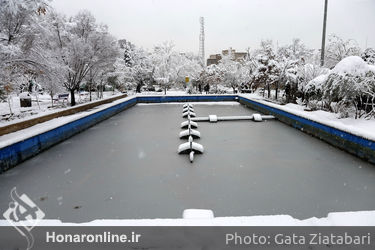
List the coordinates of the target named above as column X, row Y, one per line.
column 13, row 154
column 353, row 144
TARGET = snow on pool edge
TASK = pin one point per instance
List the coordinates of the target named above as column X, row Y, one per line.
column 359, row 218
column 353, row 126
column 40, row 128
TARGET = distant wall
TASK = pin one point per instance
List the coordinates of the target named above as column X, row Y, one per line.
column 353, row 144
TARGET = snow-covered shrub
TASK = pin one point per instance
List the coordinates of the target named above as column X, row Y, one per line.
column 268, row 71
column 288, row 80
column 212, row 77
column 349, row 88
column 306, row 73
column 369, row 56
column 232, row 73
column 337, row 49
column 344, row 90
column 314, row 89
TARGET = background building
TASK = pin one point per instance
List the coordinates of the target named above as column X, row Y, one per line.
column 236, row 56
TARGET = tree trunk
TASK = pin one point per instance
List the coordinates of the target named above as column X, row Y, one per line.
column 51, row 94
column 37, row 98
column 72, row 98
column 269, row 91
column 90, row 92
column 10, row 105
column 277, row 90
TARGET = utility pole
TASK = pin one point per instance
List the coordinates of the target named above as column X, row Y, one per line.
column 324, row 34
column 201, row 43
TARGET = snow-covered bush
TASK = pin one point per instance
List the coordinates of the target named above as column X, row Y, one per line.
column 268, row 71
column 306, row 73
column 314, row 89
column 338, row 49
column 212, row 77
column 231, row 73
column 369, row 56
column 348, row 88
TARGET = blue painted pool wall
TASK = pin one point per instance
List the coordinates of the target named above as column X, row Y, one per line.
column 353, row 144
column 189, row 98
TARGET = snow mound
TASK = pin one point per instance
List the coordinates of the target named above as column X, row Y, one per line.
column 317, row 82
column 198, row 214
column 320, row 80
column 353, row 65
column 25, row 95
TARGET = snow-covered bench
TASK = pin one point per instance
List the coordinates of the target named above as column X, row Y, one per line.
column 62, row 97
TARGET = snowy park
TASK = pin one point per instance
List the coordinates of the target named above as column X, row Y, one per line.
column 101, row 125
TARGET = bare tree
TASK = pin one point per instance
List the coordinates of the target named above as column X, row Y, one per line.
column 84, row 46
column 337, row 49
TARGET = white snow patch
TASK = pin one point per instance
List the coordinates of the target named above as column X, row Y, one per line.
column 37, row 110
column 24, row 134
column 25, row 95
column 318, row 81
column 353, row 65
column 359, row 218
column 198, row 214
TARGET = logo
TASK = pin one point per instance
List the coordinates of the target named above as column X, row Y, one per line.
column 23, row 214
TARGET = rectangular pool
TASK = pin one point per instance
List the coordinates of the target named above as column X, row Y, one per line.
column 127, row 167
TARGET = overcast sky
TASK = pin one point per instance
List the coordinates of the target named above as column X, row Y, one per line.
column 228, row 23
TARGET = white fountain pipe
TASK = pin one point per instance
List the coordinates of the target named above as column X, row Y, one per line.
column 191, row 156
column 214, row 118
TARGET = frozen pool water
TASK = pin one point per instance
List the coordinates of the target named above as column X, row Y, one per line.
column 127, row 167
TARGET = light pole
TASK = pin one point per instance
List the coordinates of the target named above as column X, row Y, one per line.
column 324, row 34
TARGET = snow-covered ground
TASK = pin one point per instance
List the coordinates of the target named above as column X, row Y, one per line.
column 360, row 218
column 43, row 108
column 360, row 127
column 169, row 93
